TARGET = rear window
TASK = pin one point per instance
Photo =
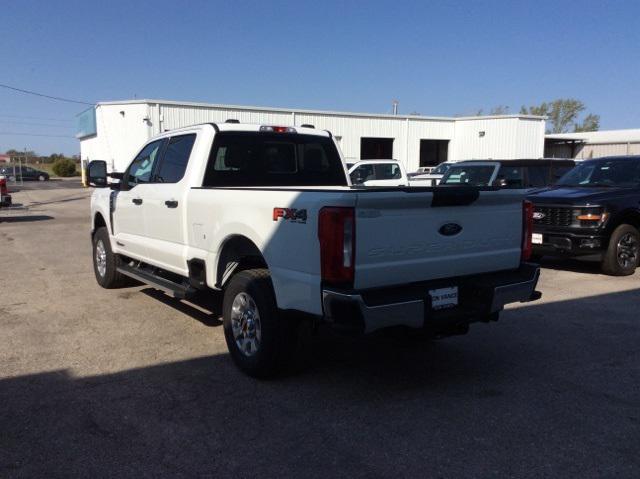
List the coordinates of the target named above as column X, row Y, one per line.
column 510, row 176
column 376, row 171
column 537, row 176
column 273, row 159
column 469, row 175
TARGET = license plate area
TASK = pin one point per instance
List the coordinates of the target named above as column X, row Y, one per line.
column 444, row 298
column 536, row 238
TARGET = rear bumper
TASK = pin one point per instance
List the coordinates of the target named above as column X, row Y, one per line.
column 479, row 296
column 5, row 200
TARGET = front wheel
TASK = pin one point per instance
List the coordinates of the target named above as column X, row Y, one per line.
column 41, row 178
column 260, row 341
column 621, row 257
column 105, row 262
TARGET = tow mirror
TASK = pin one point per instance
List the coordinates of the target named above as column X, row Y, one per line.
column 97, row 173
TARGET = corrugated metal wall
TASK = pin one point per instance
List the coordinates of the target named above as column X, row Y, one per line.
column 498, row 138
column 607, row 149
column 406, row 133
column 124, row 127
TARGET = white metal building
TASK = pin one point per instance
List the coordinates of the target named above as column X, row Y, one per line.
column 593, row 144
column 115, row 131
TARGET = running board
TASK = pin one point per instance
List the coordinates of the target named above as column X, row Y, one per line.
column 177, row 290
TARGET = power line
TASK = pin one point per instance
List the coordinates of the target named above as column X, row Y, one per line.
column 57, row 98
column 30, row 123
column 35, row 134
column 35, row 118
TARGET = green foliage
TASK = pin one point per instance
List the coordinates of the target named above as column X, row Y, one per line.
column 64, row 167
column 591, row 122
column 564, row 115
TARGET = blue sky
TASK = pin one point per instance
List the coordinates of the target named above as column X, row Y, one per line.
column 435, row 57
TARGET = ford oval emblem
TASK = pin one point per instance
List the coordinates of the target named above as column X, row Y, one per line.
column 450, row 229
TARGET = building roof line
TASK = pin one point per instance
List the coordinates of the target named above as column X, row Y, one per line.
column 302, row 111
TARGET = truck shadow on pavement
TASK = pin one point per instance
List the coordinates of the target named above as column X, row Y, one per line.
column 551, row 390
column 575, row 265
column 24, row 218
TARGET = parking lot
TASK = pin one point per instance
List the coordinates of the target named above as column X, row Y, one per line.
column 98, row 383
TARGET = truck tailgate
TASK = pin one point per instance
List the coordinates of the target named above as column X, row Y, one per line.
column 412, row 235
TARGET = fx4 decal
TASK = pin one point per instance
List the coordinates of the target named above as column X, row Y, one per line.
column 290, row 214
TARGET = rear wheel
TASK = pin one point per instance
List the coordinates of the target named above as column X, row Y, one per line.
column 260, row 341
column 105, row 262
column 621, row 257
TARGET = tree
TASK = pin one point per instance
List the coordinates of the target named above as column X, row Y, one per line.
column 564, row 115
column 496, row 110
column 591, row 122
column 499, row 110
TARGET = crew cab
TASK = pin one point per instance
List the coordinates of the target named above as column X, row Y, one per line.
column 594, row 210
column 267, row 215
column 515, row 174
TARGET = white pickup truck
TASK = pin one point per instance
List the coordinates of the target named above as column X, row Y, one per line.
column 267, row 215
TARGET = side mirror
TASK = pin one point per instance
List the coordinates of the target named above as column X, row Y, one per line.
column 97, row 173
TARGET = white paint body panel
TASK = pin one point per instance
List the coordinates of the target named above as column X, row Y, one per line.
column 397, row 239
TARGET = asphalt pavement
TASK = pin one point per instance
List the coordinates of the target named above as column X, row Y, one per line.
column 131, row 383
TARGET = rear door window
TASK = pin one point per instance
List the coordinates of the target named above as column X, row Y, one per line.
column 273, row 159
column 175, row 159
column 537, row 176
column 510, row 177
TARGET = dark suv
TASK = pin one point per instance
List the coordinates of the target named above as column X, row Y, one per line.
column 593, row 209
column 26, row 173
column 513, row 174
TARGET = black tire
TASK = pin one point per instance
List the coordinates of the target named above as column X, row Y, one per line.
column 621, row 257
column 109, row 278
column 41, row 178
column 282, row 340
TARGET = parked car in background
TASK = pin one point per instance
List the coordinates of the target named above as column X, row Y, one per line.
column 26, row 173
column 592, row 210
column 513, row 174
column 435, row 174
column 5, row 197
column 378, row 173
column 423, row 170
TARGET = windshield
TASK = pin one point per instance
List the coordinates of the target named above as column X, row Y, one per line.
column 441, row 169
column 376, row 171
column 614, row 172
column 470, row 175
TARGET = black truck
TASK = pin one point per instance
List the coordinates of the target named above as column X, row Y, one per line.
column 592, row 210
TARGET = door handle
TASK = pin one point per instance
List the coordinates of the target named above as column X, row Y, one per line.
column 137, row 201
column 171, row 204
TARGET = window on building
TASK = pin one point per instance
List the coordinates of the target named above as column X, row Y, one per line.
column 376, row 148
column 433, row 152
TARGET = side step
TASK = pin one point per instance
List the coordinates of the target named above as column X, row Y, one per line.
column 177, row 290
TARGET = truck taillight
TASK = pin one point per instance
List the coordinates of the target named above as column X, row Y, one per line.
column 337, row 233
column 527, row 229
column 3, row 186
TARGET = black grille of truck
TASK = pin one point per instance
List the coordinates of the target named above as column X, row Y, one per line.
column 553, row 216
